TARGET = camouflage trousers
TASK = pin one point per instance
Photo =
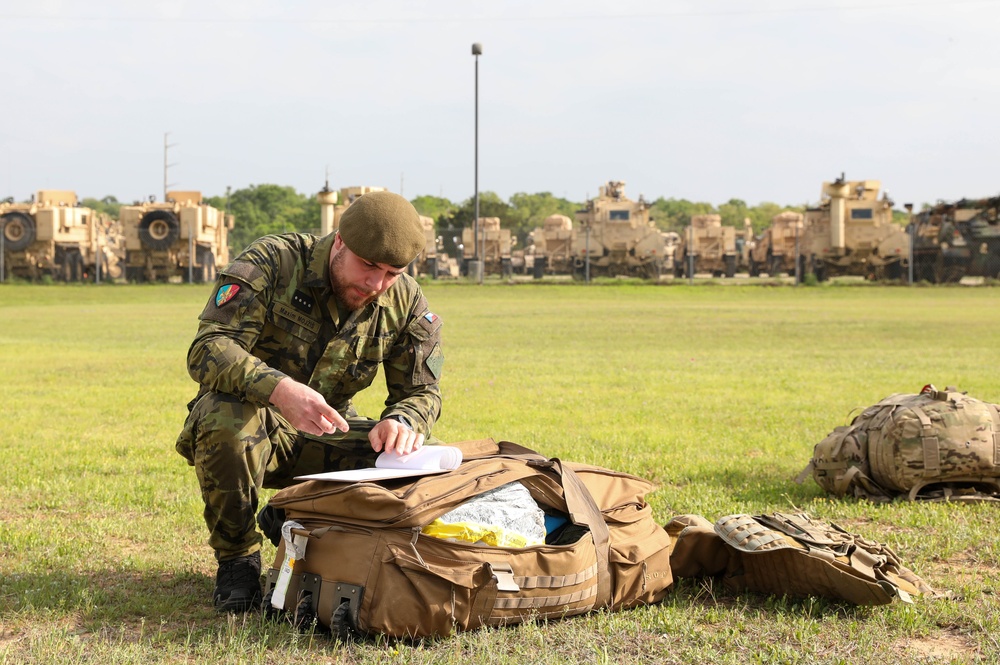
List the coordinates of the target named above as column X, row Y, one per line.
column 237, row 448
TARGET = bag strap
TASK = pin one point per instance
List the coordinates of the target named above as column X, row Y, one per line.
column 583, row 510
column 931, row 444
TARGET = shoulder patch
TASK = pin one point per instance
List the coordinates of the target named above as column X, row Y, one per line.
column 431, row 317
column 435, row 361
column 226, row 293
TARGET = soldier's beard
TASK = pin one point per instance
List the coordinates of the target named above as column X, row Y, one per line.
column 351, row 296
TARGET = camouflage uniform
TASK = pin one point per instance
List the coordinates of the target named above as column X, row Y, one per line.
column 272, row 315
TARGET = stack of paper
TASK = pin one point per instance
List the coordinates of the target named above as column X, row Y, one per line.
column 427, row 460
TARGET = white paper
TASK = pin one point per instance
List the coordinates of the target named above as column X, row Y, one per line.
column 427, row 460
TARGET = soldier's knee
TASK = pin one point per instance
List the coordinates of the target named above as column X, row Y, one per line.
column 218, row 422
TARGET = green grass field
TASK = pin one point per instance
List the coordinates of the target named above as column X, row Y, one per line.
column 718, row 394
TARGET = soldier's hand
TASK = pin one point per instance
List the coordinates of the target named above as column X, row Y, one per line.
column 306, row 409
column 393, row 436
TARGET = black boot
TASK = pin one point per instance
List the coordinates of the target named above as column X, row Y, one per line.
column 237, row 584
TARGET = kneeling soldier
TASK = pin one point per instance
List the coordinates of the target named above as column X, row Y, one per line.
column 296, row 326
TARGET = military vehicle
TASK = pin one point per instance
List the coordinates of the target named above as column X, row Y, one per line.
column 775, row 250
column 494, row 244
column 615, row 236
column 333, row 204
column 175, row 238
column 851, row 232
column 522, row 261
column 958, row 239
column 54, row 236
column 706, row 246
column 432, row 260
column 553, row 246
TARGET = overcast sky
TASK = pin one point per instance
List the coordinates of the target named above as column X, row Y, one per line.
column 705, row 100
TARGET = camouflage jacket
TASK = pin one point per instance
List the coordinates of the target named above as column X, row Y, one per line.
column 273, row 314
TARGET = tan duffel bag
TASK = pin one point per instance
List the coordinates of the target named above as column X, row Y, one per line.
column 368, row 568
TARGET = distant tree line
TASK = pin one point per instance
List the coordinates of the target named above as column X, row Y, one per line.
column 264, row 209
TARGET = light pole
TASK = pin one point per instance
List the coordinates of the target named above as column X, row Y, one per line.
column 912, row 228
column 480, row 260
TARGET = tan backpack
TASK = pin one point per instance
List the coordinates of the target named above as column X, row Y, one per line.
column 368, row 568
column 936, row 445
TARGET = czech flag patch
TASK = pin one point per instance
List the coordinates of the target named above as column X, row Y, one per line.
column 226, row 293
column 431, row 317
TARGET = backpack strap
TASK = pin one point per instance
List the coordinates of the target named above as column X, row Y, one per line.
column 931, row 445
column 806, row 472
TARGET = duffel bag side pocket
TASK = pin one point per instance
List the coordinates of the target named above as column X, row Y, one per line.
column 424, row 593
column 639, row 558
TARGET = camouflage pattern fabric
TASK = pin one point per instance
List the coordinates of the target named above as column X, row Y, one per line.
column 278, row 318
column 794, row 554
column 272, row 314
column 937, row 445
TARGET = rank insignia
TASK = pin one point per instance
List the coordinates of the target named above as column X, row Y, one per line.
column 302, row 301
column 226, row 293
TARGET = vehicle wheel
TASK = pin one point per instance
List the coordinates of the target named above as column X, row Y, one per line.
column 923, row 270
column 893, row 271
column 204, row 269
column 775, row 266
column 946, row 272
column 18, row 231
column 506, row 269
column 72, row 265
column 538, row 270
column 159, row 229
column 730, row 266
column 340, row 623
column 994, row 267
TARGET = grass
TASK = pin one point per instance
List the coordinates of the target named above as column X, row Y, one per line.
column 716, row 394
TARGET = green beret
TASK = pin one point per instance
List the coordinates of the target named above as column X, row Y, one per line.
column 383, row 227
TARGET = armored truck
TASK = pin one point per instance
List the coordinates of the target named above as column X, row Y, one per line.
column 706, row 246
column 851, row 232
column 54, row 236
column 553, row 246
column 775, row 250
column 495, row 245
column 432, row 261
column 614, row 236
column 175, row 238
column 953, row 240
